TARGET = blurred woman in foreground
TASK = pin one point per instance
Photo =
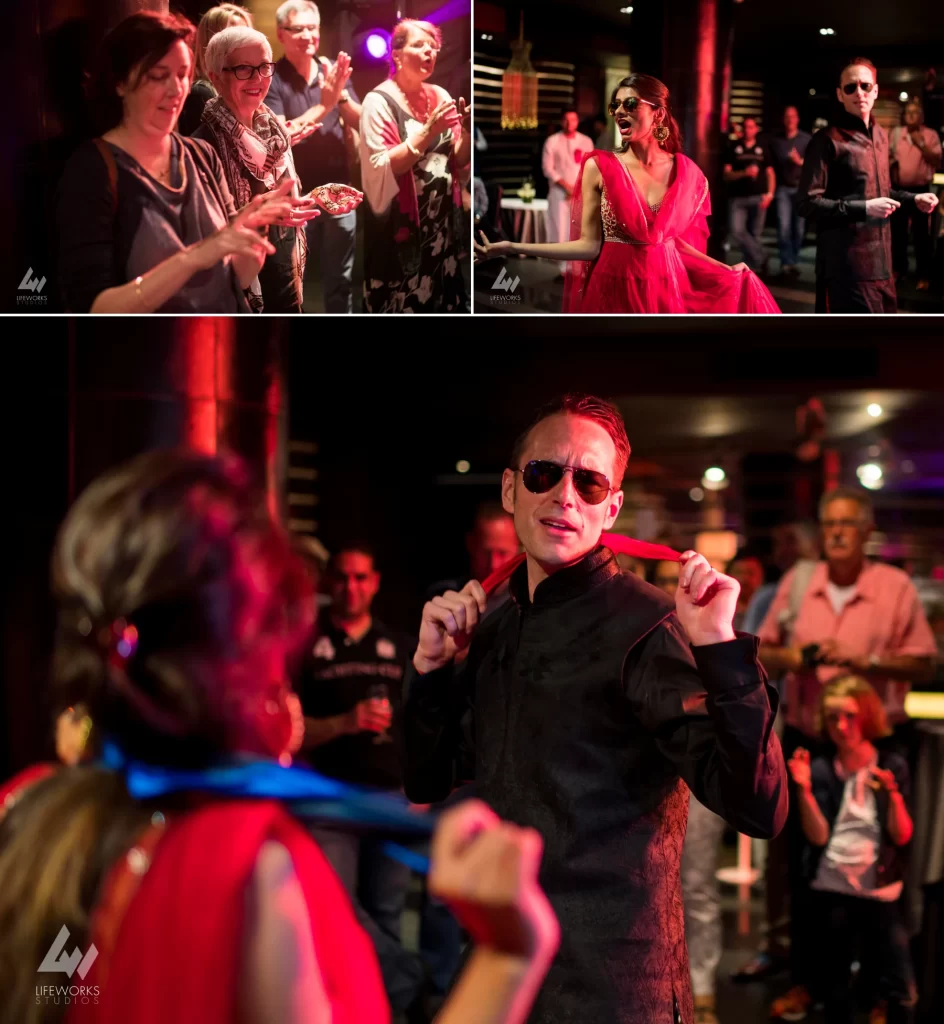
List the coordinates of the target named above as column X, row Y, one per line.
column 180, row 603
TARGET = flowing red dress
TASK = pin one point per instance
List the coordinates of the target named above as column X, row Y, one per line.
column 176, row 954
column 641, row 267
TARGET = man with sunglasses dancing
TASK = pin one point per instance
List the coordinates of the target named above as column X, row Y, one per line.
column 587, row 707
column 845, row 187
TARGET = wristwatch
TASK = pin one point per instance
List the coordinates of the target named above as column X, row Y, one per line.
column 344, row 96
column 874, row 661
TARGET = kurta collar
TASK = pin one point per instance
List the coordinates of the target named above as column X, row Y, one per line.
column 854, row 123
column 592, row 570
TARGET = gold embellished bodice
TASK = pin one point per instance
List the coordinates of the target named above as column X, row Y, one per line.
column 613, row 230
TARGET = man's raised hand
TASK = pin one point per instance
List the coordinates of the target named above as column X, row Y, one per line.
column 447, row 626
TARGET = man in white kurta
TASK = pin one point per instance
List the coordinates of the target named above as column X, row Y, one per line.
column 564, row 152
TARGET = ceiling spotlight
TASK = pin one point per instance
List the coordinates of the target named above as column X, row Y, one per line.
column 463, row 466
column 903, row 96
column 626, row 10
column 378, row 45
column 874, row 410
column 715, row 479
column 696, row 494
column 870, row 475
column 812, row 92
column 826, row 32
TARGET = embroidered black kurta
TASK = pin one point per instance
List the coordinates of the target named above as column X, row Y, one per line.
column 845, row 165
column 584, row 715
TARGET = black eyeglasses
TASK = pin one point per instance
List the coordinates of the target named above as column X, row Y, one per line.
column 245, row 71
column 297, row 30
column 629, row 105
column 850, row 87
column 539, row 476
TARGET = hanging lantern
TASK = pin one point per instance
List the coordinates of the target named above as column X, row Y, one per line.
column 520, row 88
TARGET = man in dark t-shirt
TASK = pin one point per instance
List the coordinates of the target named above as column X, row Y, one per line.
column 787, row 150
column 350, row 687
column 751, row 183
column 308, row 88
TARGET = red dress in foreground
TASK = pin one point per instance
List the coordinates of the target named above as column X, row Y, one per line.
column 176, row 957
column 641, row 268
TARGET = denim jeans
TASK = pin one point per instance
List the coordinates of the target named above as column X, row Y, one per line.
column 378, row 888
column 747, row 224
column 883, row 939
column 790, row 226
column 331, row 242
column 701, row 896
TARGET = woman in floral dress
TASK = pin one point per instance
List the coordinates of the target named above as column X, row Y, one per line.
column 415, row 151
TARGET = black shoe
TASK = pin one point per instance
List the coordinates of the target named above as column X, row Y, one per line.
column 760, row 967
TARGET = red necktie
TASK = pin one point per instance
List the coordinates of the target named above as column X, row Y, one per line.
column 614, row 541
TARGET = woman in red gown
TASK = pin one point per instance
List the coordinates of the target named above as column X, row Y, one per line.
column 181, row 604
column 639, row 224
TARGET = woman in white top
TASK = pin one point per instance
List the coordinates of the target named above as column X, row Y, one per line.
column 416, row 147
column 853, row 808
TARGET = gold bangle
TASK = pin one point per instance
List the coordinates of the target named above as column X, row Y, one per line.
column 412, row 148
column 137, row 288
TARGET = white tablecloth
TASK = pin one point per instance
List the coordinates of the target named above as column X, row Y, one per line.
column 529, row 219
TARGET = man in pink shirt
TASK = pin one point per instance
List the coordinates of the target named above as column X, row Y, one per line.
column 855, row 616
column 914, row 151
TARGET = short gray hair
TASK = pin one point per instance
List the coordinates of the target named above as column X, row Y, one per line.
column 223, row 43
column 295, row 7
column 848, row 494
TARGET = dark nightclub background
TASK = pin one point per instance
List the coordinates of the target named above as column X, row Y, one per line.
column 722, row 60
column 55, row 40
column 405, row 440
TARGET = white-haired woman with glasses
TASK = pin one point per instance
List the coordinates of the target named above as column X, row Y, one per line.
column 416, row 147
column 256, row 153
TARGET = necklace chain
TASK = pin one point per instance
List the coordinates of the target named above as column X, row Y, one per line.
column 410, row 106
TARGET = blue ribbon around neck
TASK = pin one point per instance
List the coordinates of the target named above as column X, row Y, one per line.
column 307, row 794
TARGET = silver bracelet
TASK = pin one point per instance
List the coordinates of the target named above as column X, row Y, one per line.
column 412, row 148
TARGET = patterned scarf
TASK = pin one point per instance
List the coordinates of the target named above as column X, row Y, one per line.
column 262, row 152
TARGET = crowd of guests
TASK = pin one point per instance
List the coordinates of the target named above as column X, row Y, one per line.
column 860, row 189
column 843, row 637
column 862, row 245
column 221, row 180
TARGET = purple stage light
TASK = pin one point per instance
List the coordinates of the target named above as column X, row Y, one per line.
column 378, row 45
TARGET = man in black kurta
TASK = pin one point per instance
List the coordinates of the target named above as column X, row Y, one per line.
column 585, row 708
column 845, row 189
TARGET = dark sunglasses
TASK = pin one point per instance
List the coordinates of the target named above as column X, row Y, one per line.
column 245, row 71
column 629, row 105
column 540, row 476
column 850, row 87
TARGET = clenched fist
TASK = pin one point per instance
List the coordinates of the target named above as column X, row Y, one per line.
column 799, row 766
column 447, row 626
